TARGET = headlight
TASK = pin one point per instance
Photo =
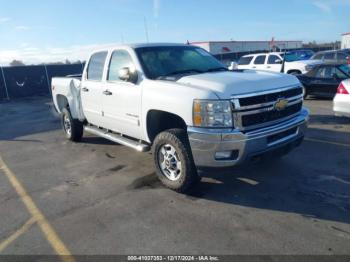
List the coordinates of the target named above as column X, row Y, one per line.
column 309, row 67
column 212, row 113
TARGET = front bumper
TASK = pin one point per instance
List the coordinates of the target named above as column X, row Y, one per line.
column 206, row 143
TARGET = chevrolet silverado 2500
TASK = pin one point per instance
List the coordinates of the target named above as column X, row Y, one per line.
column 184, row 105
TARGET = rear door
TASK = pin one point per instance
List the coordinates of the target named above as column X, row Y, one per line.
column 92, row 86
column 343, row 58
column 329, row 57
column 259, row 62
column 274, row 63
column 121, row 100
column 325, row 82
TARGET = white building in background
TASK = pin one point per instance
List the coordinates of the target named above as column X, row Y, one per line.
column 345, row 41
column 226, row 47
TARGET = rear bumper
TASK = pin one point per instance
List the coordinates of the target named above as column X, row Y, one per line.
column 206, row 143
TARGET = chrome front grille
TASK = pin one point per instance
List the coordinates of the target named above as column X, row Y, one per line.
column 252, row 111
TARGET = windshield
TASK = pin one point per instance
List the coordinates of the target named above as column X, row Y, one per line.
column 163, row 61
column 290, row 57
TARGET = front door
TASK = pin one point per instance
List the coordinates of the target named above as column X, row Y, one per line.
column 91, row 89
column 274, row 63
column 121, row 100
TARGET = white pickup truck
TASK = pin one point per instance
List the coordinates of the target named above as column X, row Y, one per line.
column 182, row 103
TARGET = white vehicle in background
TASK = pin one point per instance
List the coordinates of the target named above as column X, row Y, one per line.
column 341, row 103
column 274, row 62
column 182, row 103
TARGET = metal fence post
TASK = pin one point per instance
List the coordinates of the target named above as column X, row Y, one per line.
column 48, row 81
column 3, row 76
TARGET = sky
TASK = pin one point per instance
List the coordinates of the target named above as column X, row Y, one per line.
column 39, row 31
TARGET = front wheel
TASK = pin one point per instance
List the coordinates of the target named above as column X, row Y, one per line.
column 173, row 160
column 72, row 128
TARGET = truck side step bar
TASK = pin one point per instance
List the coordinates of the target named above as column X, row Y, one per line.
column 117, row 138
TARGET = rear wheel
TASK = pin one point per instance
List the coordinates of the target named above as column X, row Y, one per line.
column 72, row 128
column 173, row 160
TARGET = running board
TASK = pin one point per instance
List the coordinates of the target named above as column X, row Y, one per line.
column 117, row 138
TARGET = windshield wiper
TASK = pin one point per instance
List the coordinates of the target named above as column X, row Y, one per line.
column 179, row 72
column 217, row 69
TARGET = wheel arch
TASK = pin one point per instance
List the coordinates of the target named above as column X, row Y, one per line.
column 158, row 121
column 62, row 102
column 294, row 71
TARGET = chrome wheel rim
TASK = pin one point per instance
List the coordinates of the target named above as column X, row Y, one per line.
column 67, row 125
column 169, row 162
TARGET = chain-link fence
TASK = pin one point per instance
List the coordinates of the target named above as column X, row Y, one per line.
column 24, row 81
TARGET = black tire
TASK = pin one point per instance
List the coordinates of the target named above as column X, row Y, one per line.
column 75, row 132
column 305, row 94
column 188, row 176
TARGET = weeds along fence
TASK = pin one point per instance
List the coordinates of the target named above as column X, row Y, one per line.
column 26, row 81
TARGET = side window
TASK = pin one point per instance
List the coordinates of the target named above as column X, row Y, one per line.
column 325, row 72
column 329, row 56
column 272, row 60
column 329, row 72
column 342, row 56
column 96, row 65
column 260, row 60
column 245, row 60
column 318, row 57
column 320, row 72
column 119, row 60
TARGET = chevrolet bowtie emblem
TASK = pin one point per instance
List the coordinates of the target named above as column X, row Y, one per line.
column 281, row 104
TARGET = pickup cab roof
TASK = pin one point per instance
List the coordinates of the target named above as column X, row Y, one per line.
column 137, row 45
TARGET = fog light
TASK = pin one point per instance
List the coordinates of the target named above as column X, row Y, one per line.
column 227, row 155
column 223, row 155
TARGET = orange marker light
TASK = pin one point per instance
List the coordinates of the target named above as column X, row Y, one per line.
column 197, row 107
column 197, row 119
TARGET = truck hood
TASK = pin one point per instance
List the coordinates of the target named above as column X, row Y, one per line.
column 306, row 62
column 228, row 84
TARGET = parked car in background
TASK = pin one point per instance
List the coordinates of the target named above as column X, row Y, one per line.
column 341, row 103
column 324, row 79
column 302, row 54
column 274, row 62
column 333, row 57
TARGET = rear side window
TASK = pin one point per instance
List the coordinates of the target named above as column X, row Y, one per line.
column 329, row 56
column 342, row 56
column 260, row 60
column 318, row 56
column 96, row 65
column 245, row 60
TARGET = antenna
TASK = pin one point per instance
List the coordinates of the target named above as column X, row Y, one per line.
column 146, row 29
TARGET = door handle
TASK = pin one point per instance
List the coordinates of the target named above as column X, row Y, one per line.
column 85, row 89
column 254, row 66
column 268, row 67
column 107, row 93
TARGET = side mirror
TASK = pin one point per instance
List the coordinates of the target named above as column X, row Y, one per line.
column 233, row 66
column 278, row 61
column 127, row 75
